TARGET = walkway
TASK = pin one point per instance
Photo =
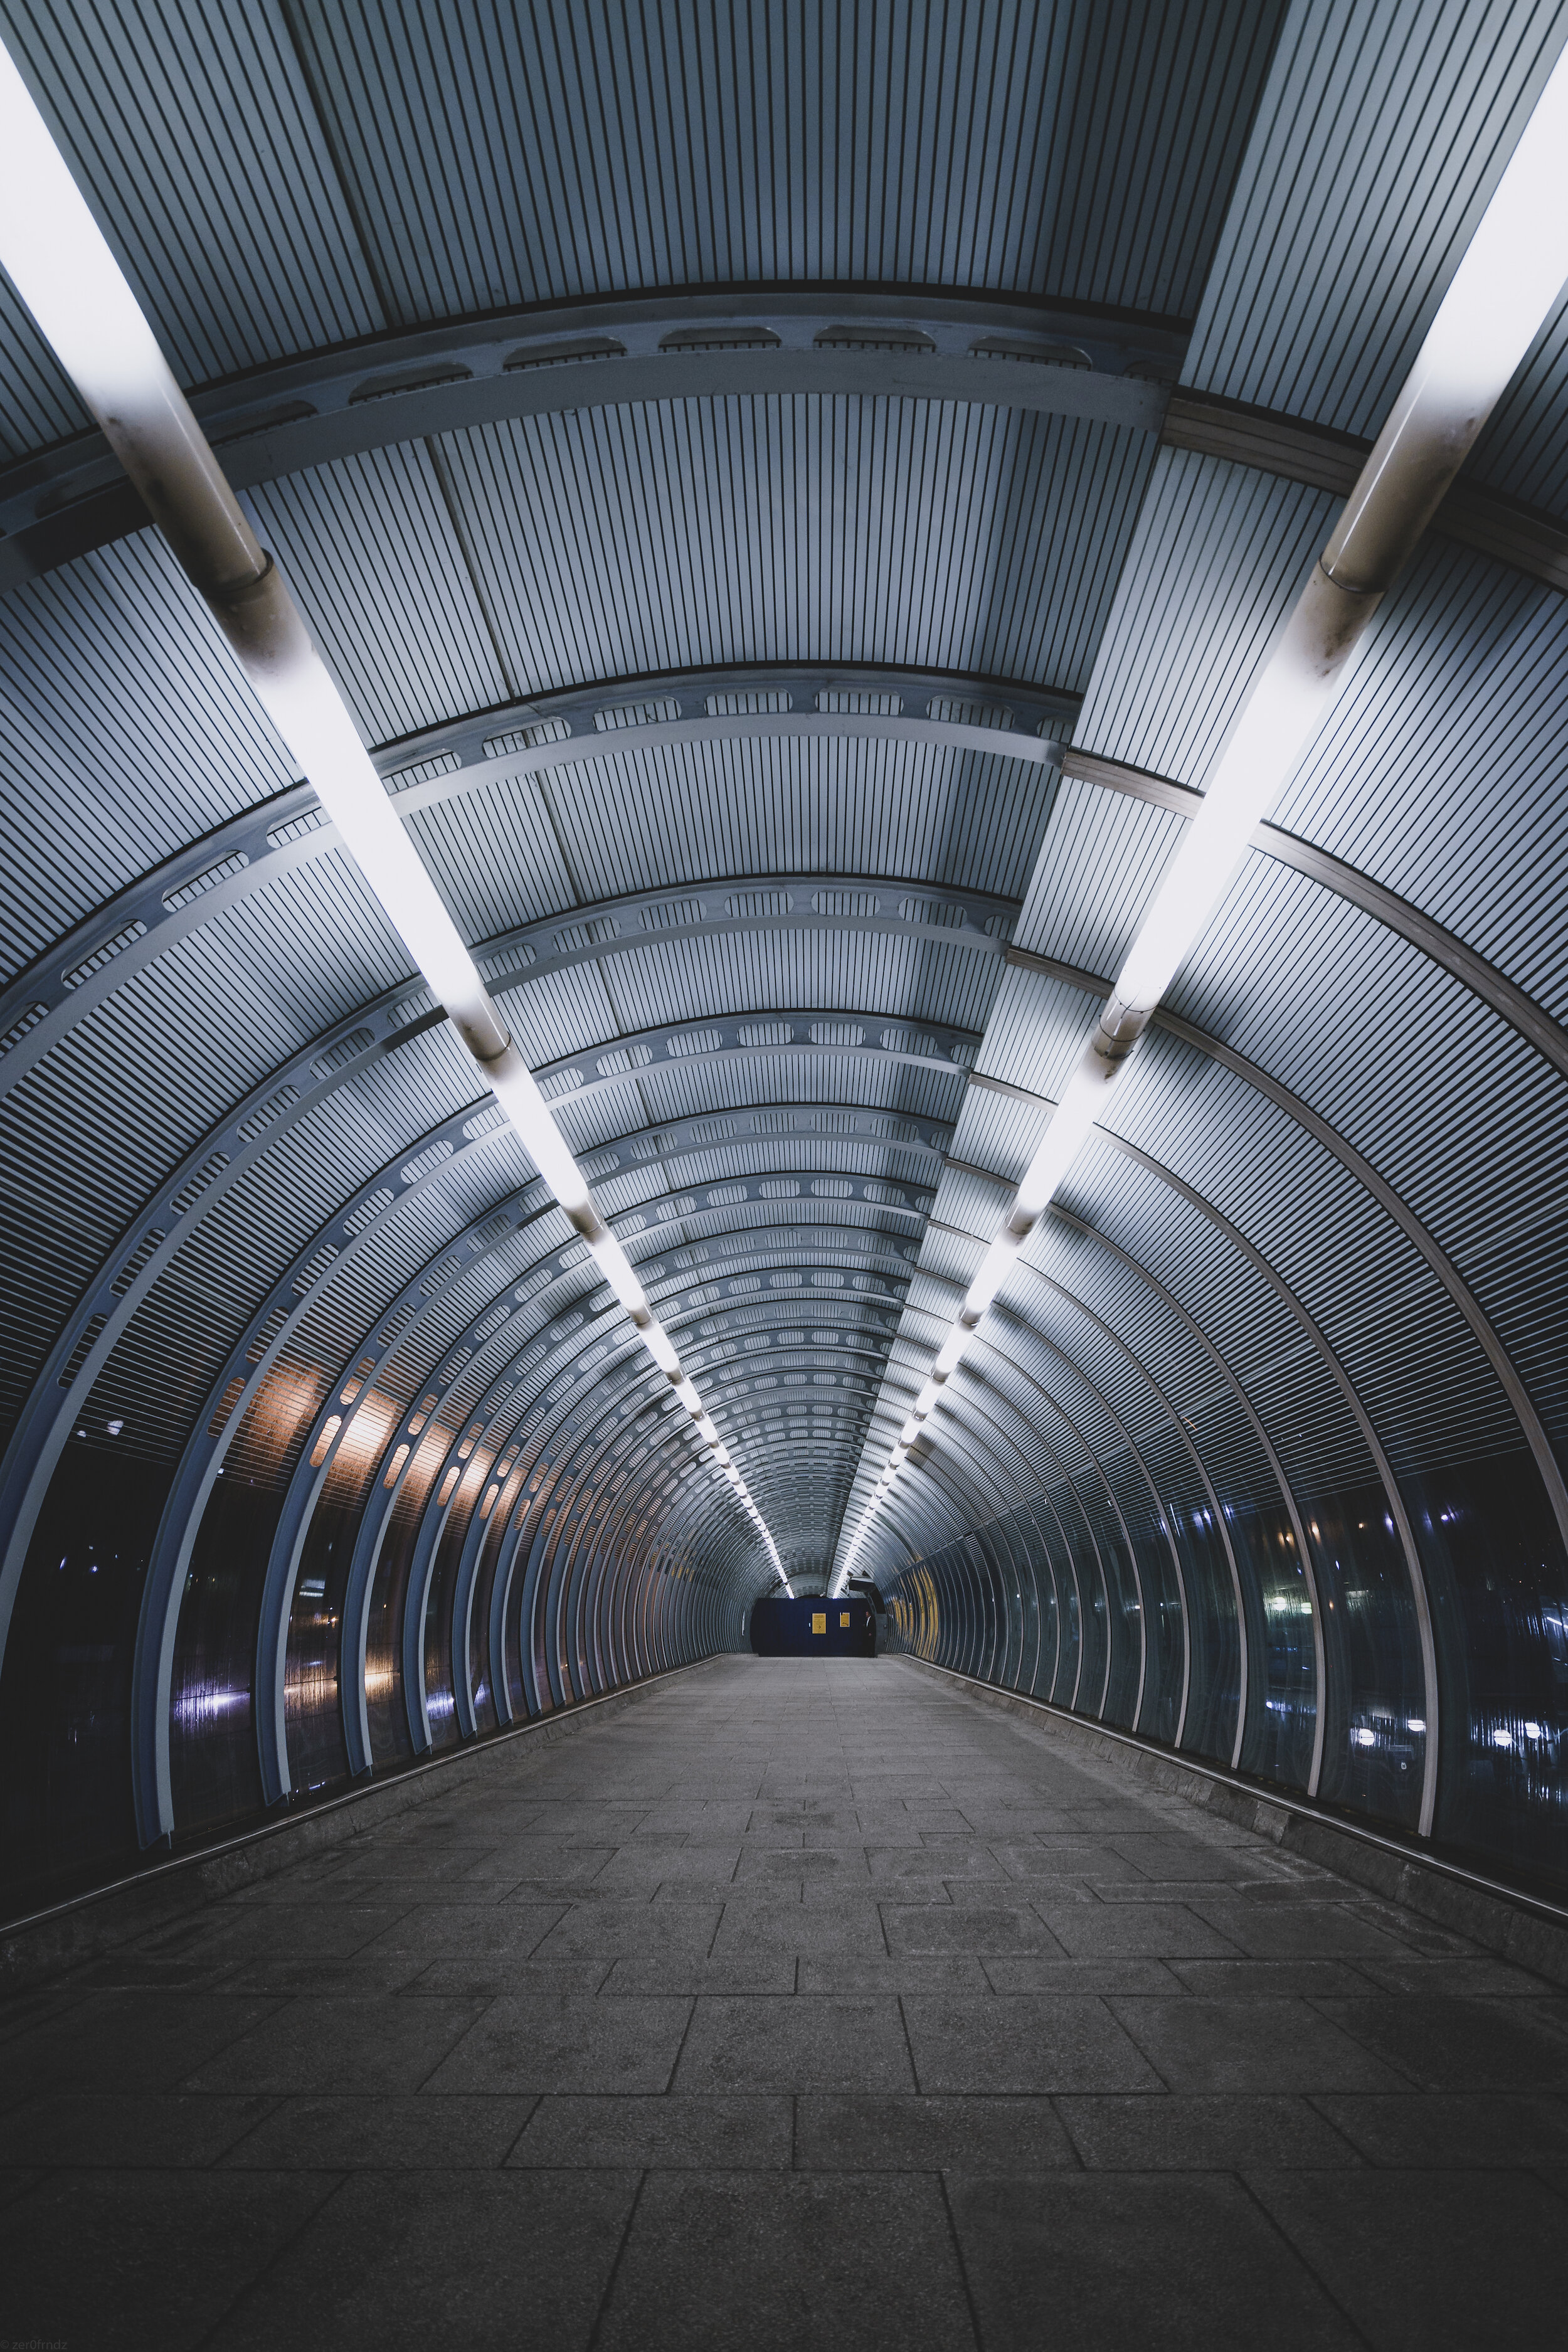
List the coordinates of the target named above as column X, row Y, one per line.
column 793, row 2005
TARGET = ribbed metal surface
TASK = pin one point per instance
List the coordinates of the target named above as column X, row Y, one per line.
column 1380, row 136
column 125, row 731
column 1219, row 556
column 1441, row 772
column 500, row 158
column 614, row 543
column 189, row 126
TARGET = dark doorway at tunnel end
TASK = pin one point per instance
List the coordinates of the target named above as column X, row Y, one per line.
column 814, row 1627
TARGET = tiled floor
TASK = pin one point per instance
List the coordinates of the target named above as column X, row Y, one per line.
column 795, row 2005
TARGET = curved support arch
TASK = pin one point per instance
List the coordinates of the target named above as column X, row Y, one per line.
column 228, row 1398
column 1392, row 1204
column 969, row 1438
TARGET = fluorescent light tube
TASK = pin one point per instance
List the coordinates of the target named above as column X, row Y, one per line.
column 1505, row 288
column 58, row 259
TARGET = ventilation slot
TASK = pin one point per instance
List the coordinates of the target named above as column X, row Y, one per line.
column 208, row 879
column 85, row 1341
column 191, row 1190
column 746, row 337
column 424, row 1162
column 872, row 339
column 636, row 714
column 103, row 954
column 272, row 1108
column 295, row 828
column 573, row 354
column 512, row 958
column 368, row 1210
column 346, row 1050
column 265, row 1336
column 314, row 1268
column 135, row 1264
column 19, row 1027
column 484, row 1122
column 226, row 1404
column 750, row 702
column 972, row 714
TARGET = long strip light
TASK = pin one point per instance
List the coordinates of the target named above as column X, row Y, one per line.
column 1501, row 294
column 61, row 266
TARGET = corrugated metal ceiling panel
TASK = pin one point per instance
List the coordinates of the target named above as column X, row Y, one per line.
column 189, row 125
column 616, row 542
column 502, row 157
column 1384, row 126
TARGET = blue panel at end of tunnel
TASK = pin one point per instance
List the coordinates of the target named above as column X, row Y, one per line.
column 814, row 1627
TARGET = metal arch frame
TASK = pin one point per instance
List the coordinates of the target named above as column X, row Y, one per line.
column 528, row 1424
column 1183, row 1435
column 1443, row 947
column 425, row 1410
column 932, row 1048
column 536, row 1471
column 830, row 340
column 308, row 1480
column 1307, row 1323
column 715, row 343
column 1204, row 1344
column 577, row 1077
column 249, row 1131
column 1161, row 1516
column 38, row 1459
column 972, row 1440
column 202, row 1457
column 436, row 1518
column 1021, row 1372
column 575, row 1572
column 1355, row 1164
column 265, row 845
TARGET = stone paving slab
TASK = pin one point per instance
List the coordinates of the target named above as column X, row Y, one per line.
column 799, row 2004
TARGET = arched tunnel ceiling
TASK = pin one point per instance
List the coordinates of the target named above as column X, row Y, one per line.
column 793, row 570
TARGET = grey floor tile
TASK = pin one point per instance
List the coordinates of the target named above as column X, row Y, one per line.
column 745, row 2134
column 1434, row 2131
column 971, row 1927
column 1164, row 1931
column 129, row 2042
column 1296, row 1930
column 1250, row 2045
column 143, row 2258
column 491, row 1976
column 819, row 2043
column 1278, row 1979
column 1201, row 2134
column 914, row 2133
column 1124, row 2261
column 662, row 1972
column 463, row 1929
column 752, row 1926
column 1087, row 1978
column 567, row 2042
column 902, row 1972
column 1021, row 2043
column 1429, row 2262
column 480, row 2260
column 162, row 2130
column 392, row 2134
column 613, row 1930
column 1459, row 2045
column 713, row 2261
column 335, row 2044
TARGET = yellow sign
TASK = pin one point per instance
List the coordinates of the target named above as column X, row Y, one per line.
column 844, row 1616
column 819, row 1621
